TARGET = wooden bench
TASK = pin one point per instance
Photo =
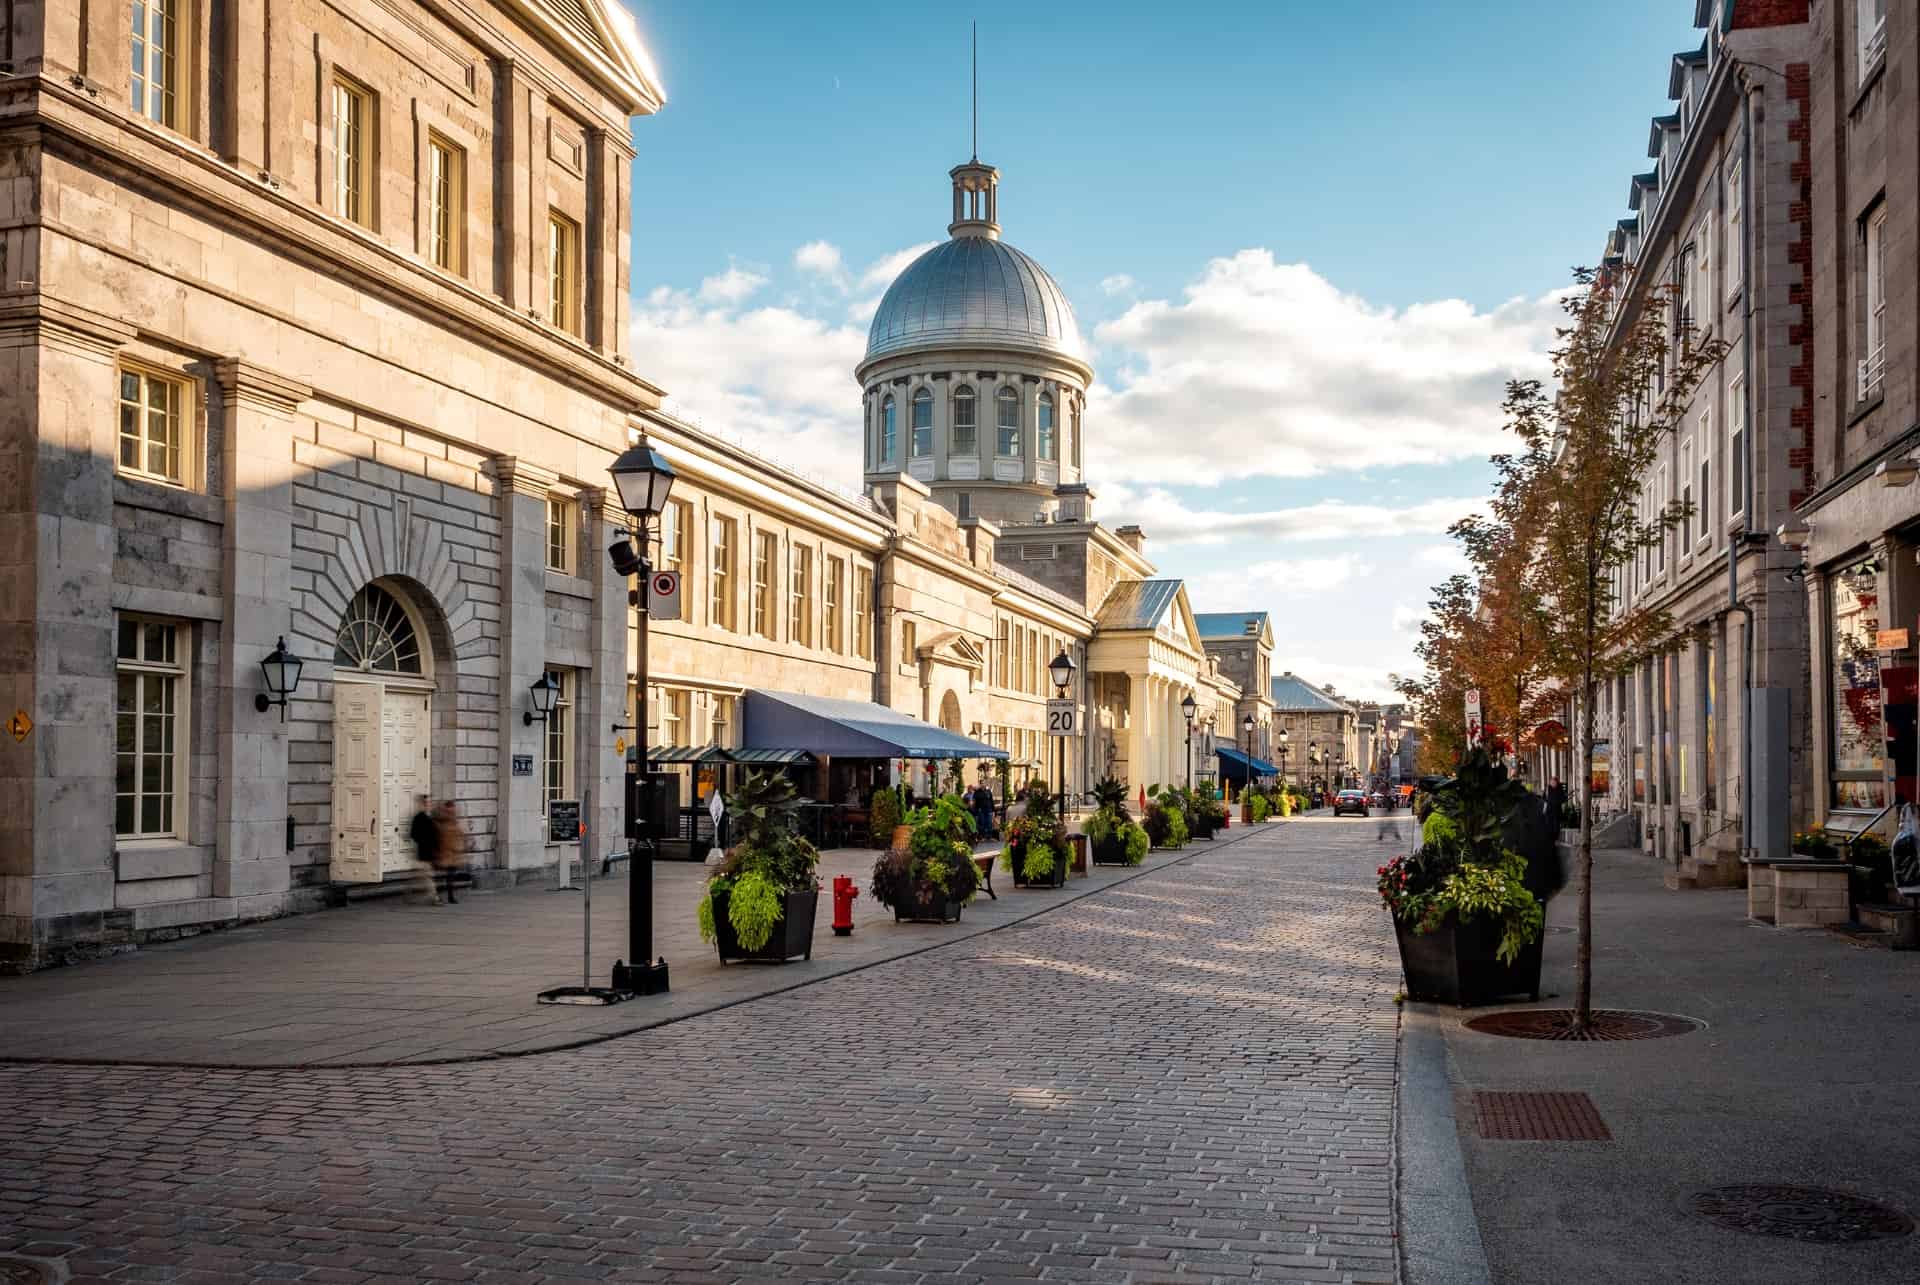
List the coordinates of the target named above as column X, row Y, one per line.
column 985, row 860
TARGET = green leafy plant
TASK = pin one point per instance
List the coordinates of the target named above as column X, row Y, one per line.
column 1869, row 849
column 1257, row 807
column 885, row 815
column 768, row 861
column 937, row 863
column 1033, row 837
column 1137, row 843
column 956, row 776
column 1816, row 845
column 1037, row 865
column 1110, row 795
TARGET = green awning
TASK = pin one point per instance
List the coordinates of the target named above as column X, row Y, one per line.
column 686, row 754
column 761, row 757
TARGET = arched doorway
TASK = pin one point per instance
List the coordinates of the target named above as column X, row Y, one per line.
column 383, row 722
column 950, row 712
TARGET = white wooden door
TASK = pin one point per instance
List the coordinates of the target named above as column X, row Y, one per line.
column 356, row 783
column 405, row 773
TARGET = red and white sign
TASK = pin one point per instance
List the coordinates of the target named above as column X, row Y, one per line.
column 1473, row 716
column 663, row 595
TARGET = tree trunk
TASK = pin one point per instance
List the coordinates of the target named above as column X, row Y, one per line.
column 1583, row 989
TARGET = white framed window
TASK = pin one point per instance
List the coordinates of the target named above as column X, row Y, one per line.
column 559, row 738
column 889, row 430
column 1737, row 445
column 1686, row 498
column 1660, row 494
column 446, row 204
column 1736, row 223
column 675, row 706
column 922, row 424
column 966, row 424
column 563, row 272
column 1073, row 435
column 153, row 425
column 1006, row 410
column 800, row 608
column 149, row 725
column 352, row 152
column 725, row 719
column 1703, row 270
column 561, row 535
column 863, row 613
column 156, row 65
column 909, row 644
column 675, row 520
column 1044, row 433
column 830, row 594
column 1870, row 21
column 720, row 605
column 1873, row 363
column 1705, row 492
column 766, row 556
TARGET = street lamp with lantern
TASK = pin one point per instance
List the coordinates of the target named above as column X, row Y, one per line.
column 1187, row 706
column 1061, row 671
column 642, row 478
column 1283, row 755
column 282, row 670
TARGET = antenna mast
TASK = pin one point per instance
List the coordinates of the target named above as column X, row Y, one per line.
column 976, row 89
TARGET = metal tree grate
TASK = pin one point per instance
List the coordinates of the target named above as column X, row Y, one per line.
column 1815, row 1214
column 1540, row 1117
column 1557, row 1024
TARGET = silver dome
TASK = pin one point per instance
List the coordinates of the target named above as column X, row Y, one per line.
column 974, row 291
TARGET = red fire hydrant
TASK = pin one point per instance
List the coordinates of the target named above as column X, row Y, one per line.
column 843, row 894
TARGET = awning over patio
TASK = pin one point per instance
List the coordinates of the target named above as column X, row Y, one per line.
column 761, row 758
column 1238, row 766
column 849, row 729
column 686, row 754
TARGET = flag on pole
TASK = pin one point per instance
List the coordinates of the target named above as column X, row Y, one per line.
column 1143, row 798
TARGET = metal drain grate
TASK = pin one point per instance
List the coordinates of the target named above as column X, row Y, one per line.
column 1557, row 1024
column 1815, row 1214
column 1540, row 1117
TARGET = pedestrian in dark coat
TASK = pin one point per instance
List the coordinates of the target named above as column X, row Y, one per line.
column 425, row 833
column 1556, row 801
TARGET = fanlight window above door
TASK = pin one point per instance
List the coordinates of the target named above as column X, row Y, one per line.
column 377, row 635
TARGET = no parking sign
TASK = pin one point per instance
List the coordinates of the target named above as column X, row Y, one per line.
column 663, row 595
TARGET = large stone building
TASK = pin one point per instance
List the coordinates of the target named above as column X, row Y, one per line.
column 315, row 330
column 1322, row 745
column 1722, row 221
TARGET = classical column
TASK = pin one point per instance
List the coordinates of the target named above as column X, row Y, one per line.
column 522, row 497
column 1136, row 733
column 57, row 442
column 250, row 857
column 1820, row 714
column 603, row 691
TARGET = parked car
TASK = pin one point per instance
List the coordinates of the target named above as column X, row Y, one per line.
column 1350, row 801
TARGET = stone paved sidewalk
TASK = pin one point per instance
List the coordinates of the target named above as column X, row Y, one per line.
column 397, row 981
column 1186, row 1077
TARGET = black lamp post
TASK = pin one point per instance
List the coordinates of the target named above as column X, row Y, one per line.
column 1187, row 706
column 1283, row 756
column 642, row 478
column 1061, row 671
column 282, row 670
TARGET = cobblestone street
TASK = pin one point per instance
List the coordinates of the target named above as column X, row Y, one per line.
column 1186, row 1077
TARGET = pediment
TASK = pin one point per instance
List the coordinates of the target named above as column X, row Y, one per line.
column 954, row 648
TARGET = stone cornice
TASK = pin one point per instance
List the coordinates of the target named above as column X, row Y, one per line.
column 42, row 318
column 243, row 382
column 522, row 477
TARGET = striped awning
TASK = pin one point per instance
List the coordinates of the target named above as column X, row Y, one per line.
column 686, row 754
column 763, row 757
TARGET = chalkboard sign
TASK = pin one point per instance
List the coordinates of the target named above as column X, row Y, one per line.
column 563, row 821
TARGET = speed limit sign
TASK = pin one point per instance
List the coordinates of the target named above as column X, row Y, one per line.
column 663, row 595
column 1060, row 718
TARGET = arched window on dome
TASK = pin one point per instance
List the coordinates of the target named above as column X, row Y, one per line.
column 922, row 424
column 1006, row 405
column 1046, row 441
column 889, row 432
column 1073, row 440
column 966, row 427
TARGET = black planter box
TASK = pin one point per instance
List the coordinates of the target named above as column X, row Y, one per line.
column 1110, row 852
column 1202, row 828
column 931, row 907
column 1058, row 879
column 792, row 936
column 1456, row 964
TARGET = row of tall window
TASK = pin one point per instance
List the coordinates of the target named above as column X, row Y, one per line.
column 964, row 430
column 807, row 597
column 353, row 113
column 1021, row 654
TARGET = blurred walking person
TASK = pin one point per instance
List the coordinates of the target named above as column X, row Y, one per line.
column 425, row 833
column 453, row 846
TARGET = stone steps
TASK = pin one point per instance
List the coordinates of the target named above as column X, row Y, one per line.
column 1720, row 871
column 1900, row 924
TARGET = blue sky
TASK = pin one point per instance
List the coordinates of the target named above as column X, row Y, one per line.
column 1309, row 242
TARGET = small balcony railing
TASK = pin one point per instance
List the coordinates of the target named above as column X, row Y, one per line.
column 1871, row 370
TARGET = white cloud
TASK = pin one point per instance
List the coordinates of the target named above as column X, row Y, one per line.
column 1234, row 587
column 1118, row 283
column 1355, row 680
column 821, row 258
column 1266, row 368
column 1168, row 519
column 1407, row 619
column 735, row 285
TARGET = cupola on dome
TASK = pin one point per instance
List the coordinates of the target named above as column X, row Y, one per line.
column 975, row 290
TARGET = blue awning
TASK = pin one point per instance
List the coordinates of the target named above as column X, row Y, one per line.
column 1240, row 766
column 825, row 726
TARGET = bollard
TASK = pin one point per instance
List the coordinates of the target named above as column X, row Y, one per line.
column 843, row 894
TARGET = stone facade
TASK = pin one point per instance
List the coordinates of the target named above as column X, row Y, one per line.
column 1722, row 216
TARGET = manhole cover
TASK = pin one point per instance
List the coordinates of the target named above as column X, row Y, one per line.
column 1540, row 1117
column 1798, row 1213
column 1557, row 1024
column 19, row 1271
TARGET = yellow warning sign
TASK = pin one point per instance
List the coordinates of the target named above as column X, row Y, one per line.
column 20, row 725
column 620, row 746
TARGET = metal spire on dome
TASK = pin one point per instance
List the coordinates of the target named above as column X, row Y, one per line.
column 976, row 186
column 976, row 91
